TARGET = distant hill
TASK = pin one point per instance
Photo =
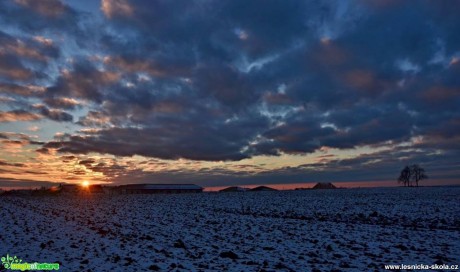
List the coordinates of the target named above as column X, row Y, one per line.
column 262, row 188
column 234, row 189
column 324, row 185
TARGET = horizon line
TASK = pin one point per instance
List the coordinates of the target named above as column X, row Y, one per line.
column 278, row 186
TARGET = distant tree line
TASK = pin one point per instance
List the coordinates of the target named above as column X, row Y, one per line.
column 412, row 174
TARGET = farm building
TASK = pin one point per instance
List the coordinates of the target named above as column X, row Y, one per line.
column 78, row 189
column 69, row 188
column 233, row 189
column 96, row 189
column 262, row 188
column 322, row 185
column 159, row 188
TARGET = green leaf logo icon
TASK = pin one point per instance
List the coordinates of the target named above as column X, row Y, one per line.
column 8, row 260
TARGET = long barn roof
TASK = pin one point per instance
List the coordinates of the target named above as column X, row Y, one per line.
column 161, row 186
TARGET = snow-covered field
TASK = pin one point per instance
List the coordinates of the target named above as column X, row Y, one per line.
column 316, row 230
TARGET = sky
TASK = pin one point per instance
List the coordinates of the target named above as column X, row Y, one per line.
column 228, row 92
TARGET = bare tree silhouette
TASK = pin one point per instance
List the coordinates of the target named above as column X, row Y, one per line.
column 413, row 173
column 405, row 176
column 418, row 173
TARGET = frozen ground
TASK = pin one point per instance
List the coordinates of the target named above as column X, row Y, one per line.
column 321, row 230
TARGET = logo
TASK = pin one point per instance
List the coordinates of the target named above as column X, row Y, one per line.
column 14, row 263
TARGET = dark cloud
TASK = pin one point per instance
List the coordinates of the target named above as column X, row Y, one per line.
column 8, row 183
column 11, row 68
column 49, row 8
column 54, row 114
column 62, row 103
column 170, row 140
column 5, row 163
column 12, row 135
column 43, row 150
column 94, row 119
column 41, row 111
column 341, row 88
column 262, row 27
column 87, row 162
column 21, row 90
column 18, row 115
column 109, row 168
column 85, row 81
column 18, row 139
column 38, row 15
column 35, row 49
column 160, row 65
column 226, row 84
column 68, row 158
column 36, row 143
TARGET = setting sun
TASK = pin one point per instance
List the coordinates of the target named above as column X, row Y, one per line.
column 85, row 183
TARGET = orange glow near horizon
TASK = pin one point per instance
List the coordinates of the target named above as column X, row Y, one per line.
column 85, row 184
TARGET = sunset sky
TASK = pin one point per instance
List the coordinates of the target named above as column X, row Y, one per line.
column 233, row 92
